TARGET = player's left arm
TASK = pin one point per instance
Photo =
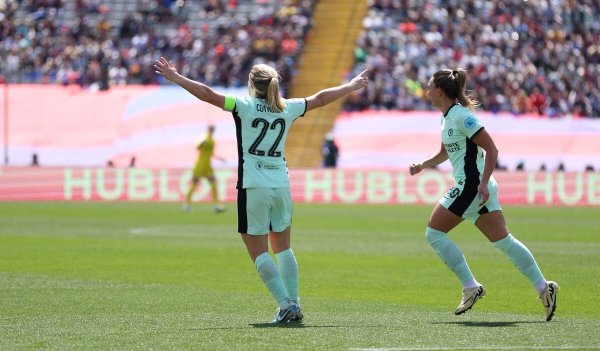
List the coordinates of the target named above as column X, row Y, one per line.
column 327, row 96
column 483, row 139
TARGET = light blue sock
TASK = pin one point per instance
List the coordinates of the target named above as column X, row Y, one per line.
column 270, row 276
column 451, row 255
column 288, row 268
column 522, row 258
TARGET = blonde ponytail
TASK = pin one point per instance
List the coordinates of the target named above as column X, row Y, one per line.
column 273, row 99
column 265, row 81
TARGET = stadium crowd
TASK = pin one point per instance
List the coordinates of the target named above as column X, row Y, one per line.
column 38, row 45
column 540, row 57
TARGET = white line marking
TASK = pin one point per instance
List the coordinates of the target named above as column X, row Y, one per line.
column 138, row 231
column 483, row 348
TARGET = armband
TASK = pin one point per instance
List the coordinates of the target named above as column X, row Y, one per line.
column 229, row 103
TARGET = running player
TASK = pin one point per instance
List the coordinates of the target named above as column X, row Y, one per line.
column 475, row 193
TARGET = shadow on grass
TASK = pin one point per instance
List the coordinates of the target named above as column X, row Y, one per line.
column 301, row 325
column 280, row 325
column 489, row 324
column 287, row 325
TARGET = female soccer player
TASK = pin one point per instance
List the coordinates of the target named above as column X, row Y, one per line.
column 264, row 202
column 474, row 195
column 203, row 169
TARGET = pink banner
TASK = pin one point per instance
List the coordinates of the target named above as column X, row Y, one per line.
column 311, row 186
column 158, row 127
column 394, row 139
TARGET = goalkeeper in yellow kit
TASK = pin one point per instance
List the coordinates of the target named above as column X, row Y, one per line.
column 203, row 169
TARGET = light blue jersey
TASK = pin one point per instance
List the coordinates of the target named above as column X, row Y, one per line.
column 459, row 126
column 261, row 134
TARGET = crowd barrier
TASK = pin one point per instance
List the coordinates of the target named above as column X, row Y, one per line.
column 308, row 186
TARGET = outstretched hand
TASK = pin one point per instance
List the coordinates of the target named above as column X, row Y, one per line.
column 361, row 80
column 165, row 68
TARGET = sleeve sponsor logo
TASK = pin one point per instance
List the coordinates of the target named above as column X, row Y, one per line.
column 470, row 122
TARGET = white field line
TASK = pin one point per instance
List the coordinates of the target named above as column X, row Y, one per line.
column 567, row 347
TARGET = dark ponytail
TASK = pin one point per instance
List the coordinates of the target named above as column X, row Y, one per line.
column 453, row 83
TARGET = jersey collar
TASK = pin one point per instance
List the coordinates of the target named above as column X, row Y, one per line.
column 450, row 108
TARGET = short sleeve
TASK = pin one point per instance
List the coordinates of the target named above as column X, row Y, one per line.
column 296, row 107
column 468, row 124
column 242, row 105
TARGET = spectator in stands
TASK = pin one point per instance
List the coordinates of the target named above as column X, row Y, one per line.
column 548, row 50
column 475, row 193
column 93, row 51
column 525, row 46
column 521, row 103
column 538, row 101
column 262, row 121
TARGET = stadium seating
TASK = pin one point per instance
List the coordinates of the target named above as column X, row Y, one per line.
column 522, row 57
column 326, row 56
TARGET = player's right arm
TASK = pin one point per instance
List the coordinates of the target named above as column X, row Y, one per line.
column 166, row 69
column 433, row 160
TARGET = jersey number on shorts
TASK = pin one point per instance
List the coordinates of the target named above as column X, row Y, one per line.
column 264, row 124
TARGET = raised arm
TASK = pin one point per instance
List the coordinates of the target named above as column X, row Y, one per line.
column 329, row 95
column 433, row 160
column 166, row 69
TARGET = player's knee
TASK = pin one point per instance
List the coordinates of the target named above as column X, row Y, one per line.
column 434, row 235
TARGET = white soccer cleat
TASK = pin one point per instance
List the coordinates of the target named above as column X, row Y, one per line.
column 219, row 208
column 186, row 208
column 548, row 297
column 469, row 297
column 286, row 315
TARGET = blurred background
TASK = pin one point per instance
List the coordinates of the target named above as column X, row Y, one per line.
column 83, row 110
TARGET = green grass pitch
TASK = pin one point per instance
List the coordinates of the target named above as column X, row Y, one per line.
column 146, row 276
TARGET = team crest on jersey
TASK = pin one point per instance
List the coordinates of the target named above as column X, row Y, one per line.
column 450, row 132
column 470, row 122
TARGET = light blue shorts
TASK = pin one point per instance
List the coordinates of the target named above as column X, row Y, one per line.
column 462, row 200
column 261, row 210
